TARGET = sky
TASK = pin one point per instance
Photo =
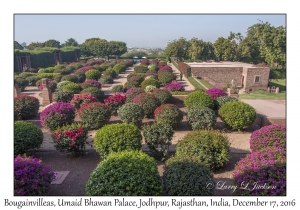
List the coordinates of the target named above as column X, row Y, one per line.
column 136, row 30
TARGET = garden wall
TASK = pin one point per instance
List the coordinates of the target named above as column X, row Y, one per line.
column 251, row 73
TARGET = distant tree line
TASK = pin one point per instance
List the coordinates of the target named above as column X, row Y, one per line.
column 263, row 43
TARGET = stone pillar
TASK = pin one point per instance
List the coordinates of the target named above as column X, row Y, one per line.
column 17, row 91
column 277, row 90
column 269, row 89
column 46, row 93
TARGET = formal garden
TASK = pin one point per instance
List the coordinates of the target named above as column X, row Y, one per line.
column 130, row 134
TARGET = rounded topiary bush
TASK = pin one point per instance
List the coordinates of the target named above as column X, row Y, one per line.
column 150, row 88
column 174, row 86
column 140, row 76
column 117, row 89
column 31, row 80
column 268, row 136
column 93, row 74
column 219, row 101
column 57, row 78
column 106, row 79
column 72, row 87
column 99, row 94
column 81, row 99
column 111, row 72
column 80, row 77
column 61, row 84
column 139, row 177
column 27, row 137
column 115, row 102
column 22, row 83
column 148, row 102
column 94, row 115
column 166, row 77
column 91, row 83
column 210, row 147
column 136, row 80
column 71, row 78
column 65, row 71
column 63, row 96
column 216, row 92
column 25, row 107
column 141, row 68
column 201, row 118
column 131, row 113
column 199, row 98
column 163, row 96
column 237, row 115
column 168, row 114
column 147, row 82
column 57, row 115
column 129, row 85
column 116, row 138
column 158, row 137
column 153, row 67
column 187, row 177
column 264, row 172
column 31, row 177
column 133, row 92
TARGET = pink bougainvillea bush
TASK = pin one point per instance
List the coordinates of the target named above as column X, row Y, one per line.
column 268, row 136
column 174, row 86
column 216, row 92
column 91, row 83
column 25, row 107
column 57, row 114
column 70, row 138
column 115, row 102
column 83, row 69
column 81, row 99
column 148, row 102
column 166, row 67
column 261, row 173
column 132, row 92
column 31, row 177
column 145, row 61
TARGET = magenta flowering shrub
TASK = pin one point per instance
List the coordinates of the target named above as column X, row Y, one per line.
column 57, row 114
column 152, row 74
column 81, row 99
column 132, row 92
column 216, row 92
column 148, row 102
column 166, row 67
column 83, row 69
column 160, row 65
column 25, row 107
column 268, row 136
column 93, row 62
column 261, row 173
column 31, row 177
column 154, row 61
column 115, row 102
column 91, row 83
column 163, row 70
column 174, row 86
column 70, row 138
column 145, row 61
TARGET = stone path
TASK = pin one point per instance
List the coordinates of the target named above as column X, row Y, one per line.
column 185, row 82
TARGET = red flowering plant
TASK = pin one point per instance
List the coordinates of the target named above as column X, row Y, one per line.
column 166, row 67
column 216, row 92
column 31, row 177
column 115, row 102
column 174, row 86
column 70, row 138
column 160, row 65
column 83, row 69
column 154, row 61
column 145, row 61
column 148, row 102
column 132, row 92
column 81, row 99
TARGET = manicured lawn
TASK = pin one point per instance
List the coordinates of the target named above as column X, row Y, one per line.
column 195, row 83
column 206, row 84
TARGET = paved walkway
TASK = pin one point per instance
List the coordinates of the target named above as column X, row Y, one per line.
column 185, row 82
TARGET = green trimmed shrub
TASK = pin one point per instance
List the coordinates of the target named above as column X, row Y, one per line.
column 210, row 147
column 70, row 138
column 70, row 68
column 61, row 84
column 219, row 101
column 150, row 88
column 139, row 177
column 201, row 118
column 119, row 68
column 131, row 113
column 166, row 77
column 141, row 68
column 24, row 75
column 187, row 177
column 103, row 67
column 129, row 85
column 148, row 102
column 147, row 82
column 98, row 93
column 93, row 74
column 116, row 138
column 94, row 115
column 117, row 89
column 22, row 83
column 137, row 80
column 65, row 71
column 72, row 87
column 140, row 75
column 153, row 68
column 25, row 107
column 27, row 137
column 132, row 92
column 150, row 77
column 46, row 75
column 81, row 99
column 63, row 96
column 71, row 78
column 168, row 114
column 106, row 79
column 237, row 115
column 199, row 98
column 80, row 77
column 163, row 96
column 31, row 80
column 111, row 72
column 57, row 78
column 158, row 137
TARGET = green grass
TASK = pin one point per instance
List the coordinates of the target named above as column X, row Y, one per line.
column 265, row 95
column 206, row 84
column 195, row 83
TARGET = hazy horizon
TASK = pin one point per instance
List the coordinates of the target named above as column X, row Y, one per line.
column 135, row 30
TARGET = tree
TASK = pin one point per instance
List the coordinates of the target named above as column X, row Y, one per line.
column 70, row 42
column 51, row 43
column 116, row 48
column 177, row 48
column 34, row 45
column 96, row 47
column 195, row 49
column 17, row 46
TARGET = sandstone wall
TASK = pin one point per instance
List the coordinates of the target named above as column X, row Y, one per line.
column 250, row 75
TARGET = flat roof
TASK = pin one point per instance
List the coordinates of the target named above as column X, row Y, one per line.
column 220, row 64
